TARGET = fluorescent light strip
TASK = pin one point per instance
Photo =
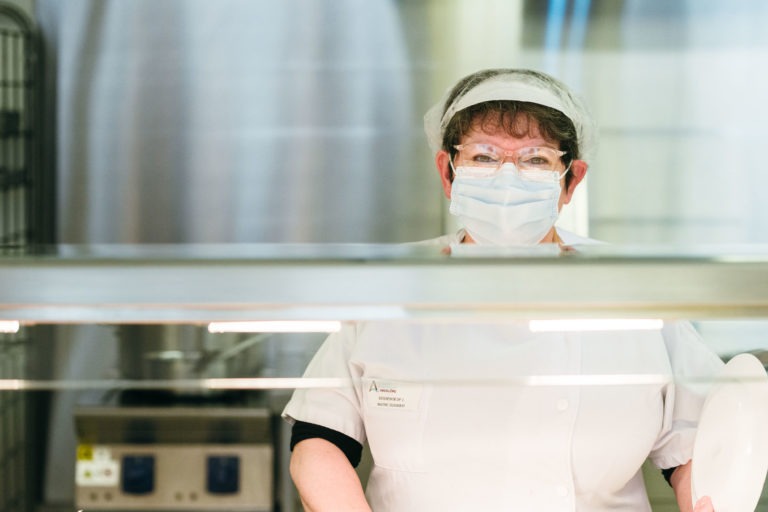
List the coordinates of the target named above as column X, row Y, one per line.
column 11, row 384
column 9, row 326
column 596, row 324
column 276, row 326
column 187, row 384
column 278, row 383
column 596, row 380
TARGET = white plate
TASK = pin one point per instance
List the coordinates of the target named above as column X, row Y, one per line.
column 730, row 457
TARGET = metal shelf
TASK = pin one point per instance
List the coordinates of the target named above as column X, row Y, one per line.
column 124, row 284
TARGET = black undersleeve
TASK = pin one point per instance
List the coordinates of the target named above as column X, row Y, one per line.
column 668, row 474
column 351, row 448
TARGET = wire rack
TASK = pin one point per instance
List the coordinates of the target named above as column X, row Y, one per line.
column 20, row 157
column 20, row 218
column 15, row 491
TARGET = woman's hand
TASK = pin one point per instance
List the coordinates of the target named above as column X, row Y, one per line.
column 703, row 505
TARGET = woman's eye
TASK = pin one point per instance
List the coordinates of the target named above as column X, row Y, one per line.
column 484, row 159
column 538, row 161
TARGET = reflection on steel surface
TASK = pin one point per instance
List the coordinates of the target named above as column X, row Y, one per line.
column 276, row 326
column 187, row 384
column 267, row 383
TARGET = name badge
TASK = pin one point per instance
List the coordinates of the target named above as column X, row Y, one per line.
column 386, row 394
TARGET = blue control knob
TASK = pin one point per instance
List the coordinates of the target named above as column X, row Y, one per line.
column 223, row 474
column 138, row 474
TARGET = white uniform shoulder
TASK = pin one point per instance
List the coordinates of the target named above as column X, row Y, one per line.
column 570, row 238
column 445, row 240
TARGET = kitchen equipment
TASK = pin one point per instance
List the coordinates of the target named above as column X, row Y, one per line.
column 174, row 445
column 174, row 458
column 24, row 208
column 185, row 351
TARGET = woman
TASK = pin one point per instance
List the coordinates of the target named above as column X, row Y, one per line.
column 446, row 429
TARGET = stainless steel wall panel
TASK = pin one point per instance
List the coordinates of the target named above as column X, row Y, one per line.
column 238, row 121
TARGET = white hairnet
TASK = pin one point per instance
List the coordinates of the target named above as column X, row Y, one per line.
column 517, row 85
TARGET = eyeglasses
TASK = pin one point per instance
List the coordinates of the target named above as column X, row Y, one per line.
column 487, row 159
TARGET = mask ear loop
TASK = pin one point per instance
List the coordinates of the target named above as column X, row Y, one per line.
column 453, row 169
column 566, row 170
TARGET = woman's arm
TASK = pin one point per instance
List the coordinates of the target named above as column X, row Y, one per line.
column 325, row 479
column 681, row 483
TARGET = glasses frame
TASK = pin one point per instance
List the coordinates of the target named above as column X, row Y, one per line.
column 515, row 153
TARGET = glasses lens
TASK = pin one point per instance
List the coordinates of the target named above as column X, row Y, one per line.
column 533, row 163
column 480, row 155
column 543, row 159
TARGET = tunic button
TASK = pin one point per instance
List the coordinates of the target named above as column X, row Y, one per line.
column 562, row 404
column 562, row 491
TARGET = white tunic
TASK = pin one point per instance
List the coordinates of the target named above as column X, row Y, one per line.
column 451, row 427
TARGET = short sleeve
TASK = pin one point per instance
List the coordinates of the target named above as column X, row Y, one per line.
column 337, row 408
column 694, row 366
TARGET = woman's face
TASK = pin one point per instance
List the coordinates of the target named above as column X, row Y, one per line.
column 528, row 136
column 494, row 133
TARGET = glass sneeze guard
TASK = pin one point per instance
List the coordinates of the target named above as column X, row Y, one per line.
column 126, row 284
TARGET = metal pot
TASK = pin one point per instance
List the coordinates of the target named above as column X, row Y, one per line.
column 184, row 351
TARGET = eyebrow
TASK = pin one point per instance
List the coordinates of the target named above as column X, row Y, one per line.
column 518, row 149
